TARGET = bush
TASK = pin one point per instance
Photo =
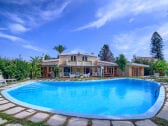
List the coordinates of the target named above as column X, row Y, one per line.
column 15, row 68
column 160, row 66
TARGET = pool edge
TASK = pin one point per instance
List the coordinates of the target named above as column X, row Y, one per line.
column 149, row 114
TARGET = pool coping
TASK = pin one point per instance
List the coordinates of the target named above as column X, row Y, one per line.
column 149, row 114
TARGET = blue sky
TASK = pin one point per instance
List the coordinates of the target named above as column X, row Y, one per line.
column 34, row 27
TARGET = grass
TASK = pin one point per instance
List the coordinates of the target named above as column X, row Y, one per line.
column 24, row 122
column 161, row 79
column 14, row 120
column 160, row 122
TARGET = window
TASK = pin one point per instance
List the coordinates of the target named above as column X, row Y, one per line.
column 110, row 70
column 136, row 72
column 73, row 58
column 87, row 70
column 67, row 70
column 84, row 58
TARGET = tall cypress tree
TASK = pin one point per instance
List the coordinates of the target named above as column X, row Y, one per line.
column 157, row 46
column 105, row 54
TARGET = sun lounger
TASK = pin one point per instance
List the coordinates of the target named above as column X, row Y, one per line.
column 72, row 75
column 2, row 80
column 11, row 80
column 86, row 75
column 95, row 74
column 61, row 74
column 77, row 74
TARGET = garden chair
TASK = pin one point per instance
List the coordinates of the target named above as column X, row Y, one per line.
column 2, row 80
column 86, row 75
column 77, row 74
column 72, row 75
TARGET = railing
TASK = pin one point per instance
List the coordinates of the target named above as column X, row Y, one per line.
column 79, row 63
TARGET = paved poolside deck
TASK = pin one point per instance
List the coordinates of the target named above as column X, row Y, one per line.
column 51, row 119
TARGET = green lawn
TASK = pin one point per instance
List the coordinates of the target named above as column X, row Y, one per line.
column 24, row 122
column 14, row 120
column 160, row 122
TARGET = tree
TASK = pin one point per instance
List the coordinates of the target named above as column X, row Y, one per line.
column 14, row 68
column 22, row 69
column 157, row 46
column 121, row 61
column 60, row 49
column 46, row 57
column 160, row 66
column 35, row 67
column 105, row 54
column 166, row 72
column 56, row 71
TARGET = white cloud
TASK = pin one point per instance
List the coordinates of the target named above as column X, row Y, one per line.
column 18, row 28
column 22, row 42
column 32, row 13
column 19, row 2
column 138, row 41
column 163, row 30
column 15, row 18
column 77, row 50
column 11, row 37
column 53, row 12
column 27, row 46
column 121, row 8
column 130, row 44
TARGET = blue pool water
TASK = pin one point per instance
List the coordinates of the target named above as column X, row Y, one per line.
column 119, row 97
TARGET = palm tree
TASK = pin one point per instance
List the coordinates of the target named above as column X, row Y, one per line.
column 59, row 48
column 35, row 67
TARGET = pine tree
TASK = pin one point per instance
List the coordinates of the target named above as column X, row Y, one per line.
column 157, row 46
column 105, row 54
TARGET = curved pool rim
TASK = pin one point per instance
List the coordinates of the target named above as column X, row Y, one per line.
column 148, row 114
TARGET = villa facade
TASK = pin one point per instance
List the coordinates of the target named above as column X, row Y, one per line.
column 86, row 64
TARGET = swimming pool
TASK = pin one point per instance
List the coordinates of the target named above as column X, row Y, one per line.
column 105, row 99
